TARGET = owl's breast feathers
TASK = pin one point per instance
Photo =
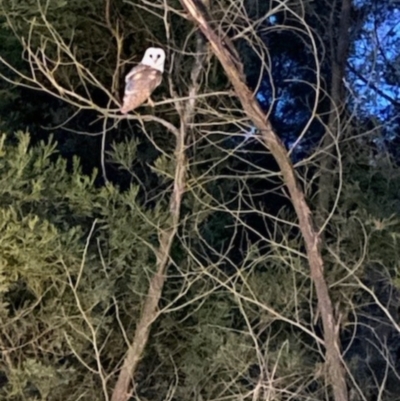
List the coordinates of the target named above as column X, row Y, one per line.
column 139, row 85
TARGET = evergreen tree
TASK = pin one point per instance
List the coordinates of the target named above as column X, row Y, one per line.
column 169, row 236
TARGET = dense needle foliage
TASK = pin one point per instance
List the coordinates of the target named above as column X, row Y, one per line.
column 80, row 236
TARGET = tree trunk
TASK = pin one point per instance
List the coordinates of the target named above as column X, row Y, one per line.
column 327, row 168
column 150, row 308
column 230, row 61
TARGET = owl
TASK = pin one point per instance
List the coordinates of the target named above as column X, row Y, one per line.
column 143, row 79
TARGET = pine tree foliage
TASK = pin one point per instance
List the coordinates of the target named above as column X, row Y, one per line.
column 69, row 252
column 238, row 318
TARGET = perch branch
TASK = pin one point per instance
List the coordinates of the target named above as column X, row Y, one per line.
column 150, row 310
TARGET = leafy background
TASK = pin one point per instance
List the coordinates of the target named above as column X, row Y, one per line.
column 239, row 316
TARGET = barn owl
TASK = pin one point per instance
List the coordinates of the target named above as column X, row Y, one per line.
column 143, row 79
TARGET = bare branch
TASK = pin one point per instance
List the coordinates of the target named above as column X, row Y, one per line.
column 229, row 59
column 150, row 310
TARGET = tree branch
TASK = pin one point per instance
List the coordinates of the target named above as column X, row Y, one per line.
column 380, row 92
column 228, row 57
column 150, row 309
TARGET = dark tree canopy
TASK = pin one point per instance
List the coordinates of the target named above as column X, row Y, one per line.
column 96, row 207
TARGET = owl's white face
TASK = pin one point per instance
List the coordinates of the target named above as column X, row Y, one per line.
column 154, row 57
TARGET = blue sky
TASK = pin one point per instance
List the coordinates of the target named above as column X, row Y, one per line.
column 372, row 78
column 375, row 58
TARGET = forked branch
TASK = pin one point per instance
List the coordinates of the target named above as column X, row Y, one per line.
column 230, row 61
column 150, row 310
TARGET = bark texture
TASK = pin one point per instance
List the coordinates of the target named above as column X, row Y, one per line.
column 150, row 309
column 228, row 57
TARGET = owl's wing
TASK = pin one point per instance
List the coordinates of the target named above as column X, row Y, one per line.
column 139, row 85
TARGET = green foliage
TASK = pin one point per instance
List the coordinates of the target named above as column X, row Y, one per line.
column 67, row 249
column 238, row 311
column 75, row 262
column 363, row 269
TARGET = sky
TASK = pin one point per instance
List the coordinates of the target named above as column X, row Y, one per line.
column 372, row 78
column 373, row 75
